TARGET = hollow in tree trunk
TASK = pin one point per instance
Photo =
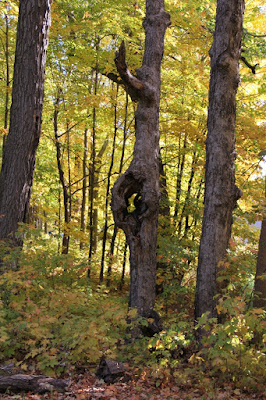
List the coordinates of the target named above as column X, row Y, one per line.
column 136, row 193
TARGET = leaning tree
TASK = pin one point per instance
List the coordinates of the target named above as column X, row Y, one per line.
column 25, row 116
column 136, row 194
column 221, row 193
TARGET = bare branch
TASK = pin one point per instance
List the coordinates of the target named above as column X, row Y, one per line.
column 252, row 67
column 132, row 84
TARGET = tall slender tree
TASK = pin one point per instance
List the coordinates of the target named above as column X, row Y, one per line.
column 140, row 183
column 221, row 193
column 25, row 115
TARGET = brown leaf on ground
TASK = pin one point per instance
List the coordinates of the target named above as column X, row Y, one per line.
column 88, row 387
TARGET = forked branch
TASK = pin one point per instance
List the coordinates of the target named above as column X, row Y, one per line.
column 132, row 84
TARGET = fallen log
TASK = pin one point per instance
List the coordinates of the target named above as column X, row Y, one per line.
column 32, row 383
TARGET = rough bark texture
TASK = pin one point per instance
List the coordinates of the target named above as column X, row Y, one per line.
column 260, row 279
column 31, row 383
column 140, row 183
column 26, row 115
column 221, row 194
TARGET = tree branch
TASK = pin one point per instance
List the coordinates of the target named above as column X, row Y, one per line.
column 132, row 84
column 253, row 68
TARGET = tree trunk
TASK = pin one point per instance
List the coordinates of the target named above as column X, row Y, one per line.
column 107, row 195
column 260, row 279
column 92, row 211
column 7, row 78
column 180, row 170
column 164, row 209
column 122, row 281
column 221, row 193
column 66, row 197
column 112, row 246
column 84, row 189
column 25, row 116
column 184, row 212
column 93, row 191
column 140, row 183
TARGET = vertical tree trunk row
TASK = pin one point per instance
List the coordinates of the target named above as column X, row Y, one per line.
column 92, row 211
column 107, row 195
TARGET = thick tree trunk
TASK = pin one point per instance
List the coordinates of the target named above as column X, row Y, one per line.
column 140, row 183
column 260, row 279
column 221, row 193
column 25, row 116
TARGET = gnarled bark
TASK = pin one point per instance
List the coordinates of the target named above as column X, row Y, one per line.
column 140, row 183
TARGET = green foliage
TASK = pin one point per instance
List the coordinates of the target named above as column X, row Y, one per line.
column 235, row 349
column 168, row 347
column 52, row 317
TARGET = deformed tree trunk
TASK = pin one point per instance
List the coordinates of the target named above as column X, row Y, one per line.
column 136, row 194
column 221, row 193
column 260, row 278
column 25, row 116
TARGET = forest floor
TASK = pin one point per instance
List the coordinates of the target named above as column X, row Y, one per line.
column 88, row 387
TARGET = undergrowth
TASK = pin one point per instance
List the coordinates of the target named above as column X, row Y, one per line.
column 53, row 319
